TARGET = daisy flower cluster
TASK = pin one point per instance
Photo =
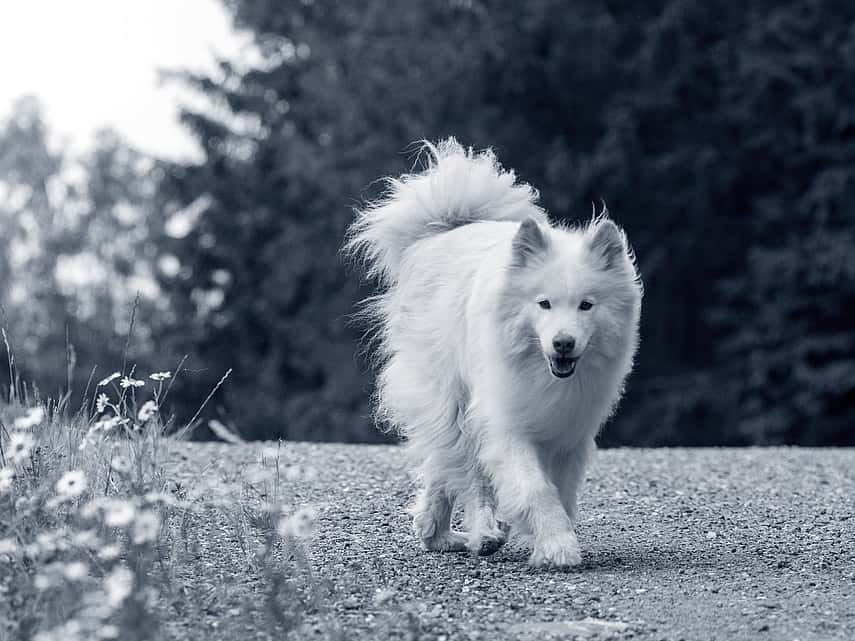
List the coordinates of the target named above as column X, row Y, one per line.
column 123, row 408
column 64, row 543
column 20, row 439
column 118, row 408
column 81, row 511
column 98, row 542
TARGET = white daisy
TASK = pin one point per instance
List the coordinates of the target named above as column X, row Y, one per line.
column 75, row 571
column 33, row 417
column 109, row 552
column 146, row 527
column 7, row 475
column 71, row 484
column 382, row 596
column 127, row 381
column 42, row 582
column 107, row 424
column 147, row 411
column 119, row 513
column 85, row 538
column 160, row 376
column 47, row 542
column 20, row 446
column 301, row 524
column 106, row 381
column 160, row 497
column 90, row 510
column 118, row 585
column 121, row 464
column 8, row 546
column 101, row 402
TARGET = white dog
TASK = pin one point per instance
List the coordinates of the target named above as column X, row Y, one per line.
column 504, row 342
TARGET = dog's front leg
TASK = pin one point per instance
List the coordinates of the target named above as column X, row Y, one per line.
column 570, row 475
column 525, row 493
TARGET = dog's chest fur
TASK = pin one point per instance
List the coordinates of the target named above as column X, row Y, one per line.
column 562, row 413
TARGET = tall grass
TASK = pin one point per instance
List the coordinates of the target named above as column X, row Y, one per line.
column 98, row 542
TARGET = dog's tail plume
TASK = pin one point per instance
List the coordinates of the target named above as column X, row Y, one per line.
column 457, row 186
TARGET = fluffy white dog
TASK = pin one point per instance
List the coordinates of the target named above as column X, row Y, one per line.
column 503, row 345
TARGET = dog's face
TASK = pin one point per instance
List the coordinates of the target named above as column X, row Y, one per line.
column 575, row 289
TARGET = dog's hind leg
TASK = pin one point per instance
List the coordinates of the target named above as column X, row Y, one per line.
column 432, row 519
column 484, row 533
column 428, row 411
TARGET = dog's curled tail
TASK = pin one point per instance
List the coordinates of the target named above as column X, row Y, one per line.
column 458, row 186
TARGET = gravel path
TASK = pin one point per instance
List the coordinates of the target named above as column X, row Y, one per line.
column 677, row 544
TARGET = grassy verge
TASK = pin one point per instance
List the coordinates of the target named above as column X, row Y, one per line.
column 97, row 542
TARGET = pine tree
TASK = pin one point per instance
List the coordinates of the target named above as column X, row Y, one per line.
column 789, row 355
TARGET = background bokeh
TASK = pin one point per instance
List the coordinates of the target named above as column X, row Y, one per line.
column 720, row 134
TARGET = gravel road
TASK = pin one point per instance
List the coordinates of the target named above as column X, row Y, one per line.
column 677, row 544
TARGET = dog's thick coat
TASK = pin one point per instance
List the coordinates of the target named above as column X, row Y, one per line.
column 503, row 345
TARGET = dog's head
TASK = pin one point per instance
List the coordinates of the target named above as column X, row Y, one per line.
column 576, row 292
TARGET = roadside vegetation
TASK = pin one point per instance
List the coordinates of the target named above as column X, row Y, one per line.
column 98, row 542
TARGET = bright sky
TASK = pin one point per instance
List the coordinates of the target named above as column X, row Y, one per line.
column 95, row 63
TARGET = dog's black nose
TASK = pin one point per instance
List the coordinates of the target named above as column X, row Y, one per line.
column 563, row 344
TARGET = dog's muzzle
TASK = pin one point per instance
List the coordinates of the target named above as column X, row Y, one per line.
column 562, row 366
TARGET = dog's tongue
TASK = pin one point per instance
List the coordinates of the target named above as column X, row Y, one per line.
column 562, row 368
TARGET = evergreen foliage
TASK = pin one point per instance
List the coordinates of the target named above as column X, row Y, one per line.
column 719, row 134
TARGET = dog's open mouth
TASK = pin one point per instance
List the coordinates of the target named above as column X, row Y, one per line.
column 562, row 366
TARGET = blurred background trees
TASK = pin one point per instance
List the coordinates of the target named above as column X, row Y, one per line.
column 720, row 135
column 74, row 254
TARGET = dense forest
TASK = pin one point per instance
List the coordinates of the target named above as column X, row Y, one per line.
column 721, row 135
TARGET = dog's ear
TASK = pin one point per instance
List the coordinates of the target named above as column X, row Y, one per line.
column 529, row 242
column 608, row 241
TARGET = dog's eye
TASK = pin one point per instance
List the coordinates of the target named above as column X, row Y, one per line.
column 585, row 305
column 544, row 304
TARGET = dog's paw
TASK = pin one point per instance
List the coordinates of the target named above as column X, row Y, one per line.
column 490, row 545
column 560, row 550
column 424, row 526
column 487, row 542
column 450, row 541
